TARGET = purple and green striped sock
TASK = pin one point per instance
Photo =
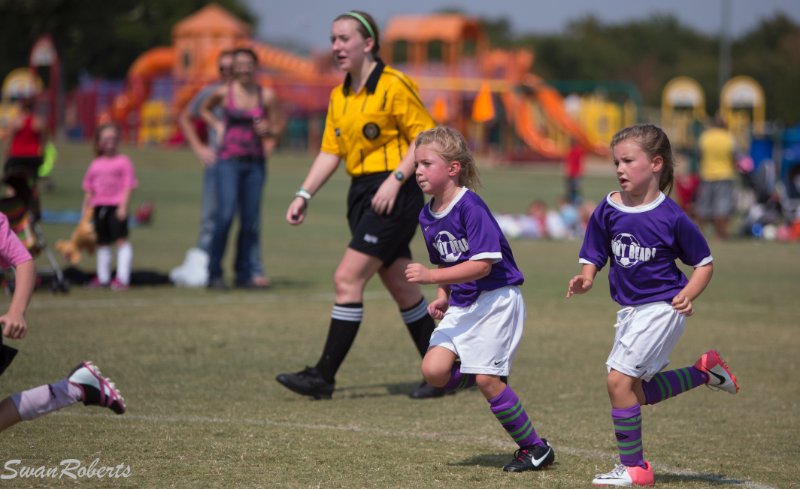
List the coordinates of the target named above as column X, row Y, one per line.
column 459, row 381
column 668, row 384
column 628, row 431
column 507, row 408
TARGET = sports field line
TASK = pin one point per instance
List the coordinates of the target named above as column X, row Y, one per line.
column 211, row 299
column 428, row 435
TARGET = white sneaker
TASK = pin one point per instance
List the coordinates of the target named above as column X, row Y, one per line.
column 97, row 390
column 626, row 476
column 719, row 375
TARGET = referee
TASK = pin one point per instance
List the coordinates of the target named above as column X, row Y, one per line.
column 373, row 118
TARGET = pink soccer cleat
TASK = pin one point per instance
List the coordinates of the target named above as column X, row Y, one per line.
column 719, row 375
column 97, row 390
column 626, row 476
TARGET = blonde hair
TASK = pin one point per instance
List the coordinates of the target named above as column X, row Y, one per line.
column 452, row 146
column 653, row 141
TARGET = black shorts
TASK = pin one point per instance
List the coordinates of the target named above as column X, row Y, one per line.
column 28, row 165
column 383, row 236
column 6, row 354
column 106, row 225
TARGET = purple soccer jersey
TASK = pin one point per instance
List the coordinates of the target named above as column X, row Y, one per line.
column 465, row 231
column 643, row 243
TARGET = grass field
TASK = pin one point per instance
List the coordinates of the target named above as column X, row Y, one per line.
column 198, row 368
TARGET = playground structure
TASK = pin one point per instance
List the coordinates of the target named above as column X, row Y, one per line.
column 446, row 54
column 479, row 90
column 190, row 64
column 773, row 170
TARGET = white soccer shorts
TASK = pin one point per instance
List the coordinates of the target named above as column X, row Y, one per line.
column 485, row 335
column 645, row 337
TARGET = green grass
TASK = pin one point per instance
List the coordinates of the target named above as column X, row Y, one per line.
column 198, row 368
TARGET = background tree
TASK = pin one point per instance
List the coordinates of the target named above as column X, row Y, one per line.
column 100, row 38
column 650, row 52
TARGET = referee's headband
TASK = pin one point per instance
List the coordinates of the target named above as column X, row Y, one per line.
column 363, row 21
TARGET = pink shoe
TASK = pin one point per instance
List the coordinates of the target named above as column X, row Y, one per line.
column 97, row 390
column 118, row 286
column 94, row 283
column 626, row 476
column 719, row 375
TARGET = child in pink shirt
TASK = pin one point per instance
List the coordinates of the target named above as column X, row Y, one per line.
column 85, row 382
column 108, row 184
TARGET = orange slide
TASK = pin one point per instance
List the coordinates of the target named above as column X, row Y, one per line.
column 150, row 64
column 521, row 109
column 522, row 116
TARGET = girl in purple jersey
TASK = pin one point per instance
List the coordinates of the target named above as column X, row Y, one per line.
column 643, row 232
column 478, row 300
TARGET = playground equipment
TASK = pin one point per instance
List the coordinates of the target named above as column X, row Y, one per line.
column 448, row 55
column 191, row 63
column 743, row 109
column 683, row 111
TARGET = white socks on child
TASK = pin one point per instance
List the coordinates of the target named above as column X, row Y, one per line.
column 104, row 264
column 124, row 259
column 44, row 399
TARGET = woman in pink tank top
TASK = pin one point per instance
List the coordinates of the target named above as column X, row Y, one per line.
column 247, row 134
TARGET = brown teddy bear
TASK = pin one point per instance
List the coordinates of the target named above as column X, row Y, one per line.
column 83, row 238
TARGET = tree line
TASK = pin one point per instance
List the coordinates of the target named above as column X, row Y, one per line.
column 650, row 52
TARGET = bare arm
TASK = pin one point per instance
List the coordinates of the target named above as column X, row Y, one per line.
column 440, row 303
column 13, row 321
column 698, row 282
column 207, row 111
column 321, row 170
column 582, row 283
column 467, row 271
column 270, row 129
column 384, row 199
column 202, row 150
column 122, row 208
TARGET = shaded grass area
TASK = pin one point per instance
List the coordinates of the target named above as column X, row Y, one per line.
column 198, row 368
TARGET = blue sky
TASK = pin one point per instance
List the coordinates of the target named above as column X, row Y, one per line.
column 307, row 22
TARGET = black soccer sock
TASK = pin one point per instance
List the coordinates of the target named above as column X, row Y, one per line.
column 420, row 324
column 345, row 321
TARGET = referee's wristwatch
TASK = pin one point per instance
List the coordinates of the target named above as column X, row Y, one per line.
column 399, row 176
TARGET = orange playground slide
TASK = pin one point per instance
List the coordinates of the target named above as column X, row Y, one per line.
column 150, row 64
column 522, row 112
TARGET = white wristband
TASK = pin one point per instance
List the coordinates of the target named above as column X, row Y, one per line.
column 303, row 194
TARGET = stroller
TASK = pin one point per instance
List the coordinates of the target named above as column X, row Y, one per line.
column 20, row 203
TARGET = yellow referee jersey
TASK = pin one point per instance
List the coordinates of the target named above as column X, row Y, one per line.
column 372, row 129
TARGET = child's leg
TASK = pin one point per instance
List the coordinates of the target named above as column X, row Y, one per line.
column 668, row 384
column 710, row 369
column 9, row 416
column 626, row 394
column 32, row 403
column 534, row 453
column 124, row 259
column 626, row 415
column 508, row 410
column 104, row 264
column 85, row 383
column 437, row 366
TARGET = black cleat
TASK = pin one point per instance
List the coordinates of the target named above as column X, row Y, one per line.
column 307, row 382
column 535, row 457
column 426, row 391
